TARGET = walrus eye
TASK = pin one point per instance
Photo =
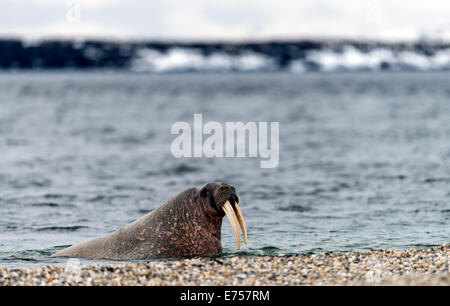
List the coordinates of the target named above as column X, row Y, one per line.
column 204, row 193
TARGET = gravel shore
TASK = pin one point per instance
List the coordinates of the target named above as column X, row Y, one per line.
column 379, row 267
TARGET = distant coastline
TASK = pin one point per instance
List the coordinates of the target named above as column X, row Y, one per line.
column 255, row 56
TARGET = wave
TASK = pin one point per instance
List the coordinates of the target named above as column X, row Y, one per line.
column 61, row 228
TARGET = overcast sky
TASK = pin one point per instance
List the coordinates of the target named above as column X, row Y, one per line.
column 226, row 19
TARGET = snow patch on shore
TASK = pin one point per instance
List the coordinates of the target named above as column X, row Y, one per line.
column 349, row 58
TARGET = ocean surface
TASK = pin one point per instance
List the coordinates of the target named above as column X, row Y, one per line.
column 364, row 158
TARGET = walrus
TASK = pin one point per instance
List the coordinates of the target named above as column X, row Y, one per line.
column 185, row 226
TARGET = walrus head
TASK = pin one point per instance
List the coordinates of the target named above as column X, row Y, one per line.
column 221, row 199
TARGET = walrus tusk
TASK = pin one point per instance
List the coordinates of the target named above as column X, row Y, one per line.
column 241, row 220
column 229, row 211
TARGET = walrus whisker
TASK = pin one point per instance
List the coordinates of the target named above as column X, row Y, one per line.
column 229, row 211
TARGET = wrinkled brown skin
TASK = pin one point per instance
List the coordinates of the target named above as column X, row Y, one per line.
column 182, row 227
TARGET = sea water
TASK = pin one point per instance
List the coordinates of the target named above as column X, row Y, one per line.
column 364, row 158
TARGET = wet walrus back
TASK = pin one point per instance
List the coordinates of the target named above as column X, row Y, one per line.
column 173, row 230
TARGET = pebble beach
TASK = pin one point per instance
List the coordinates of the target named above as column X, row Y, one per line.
column 377, row 267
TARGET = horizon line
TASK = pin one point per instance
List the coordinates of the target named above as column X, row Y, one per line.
column 208, row 40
